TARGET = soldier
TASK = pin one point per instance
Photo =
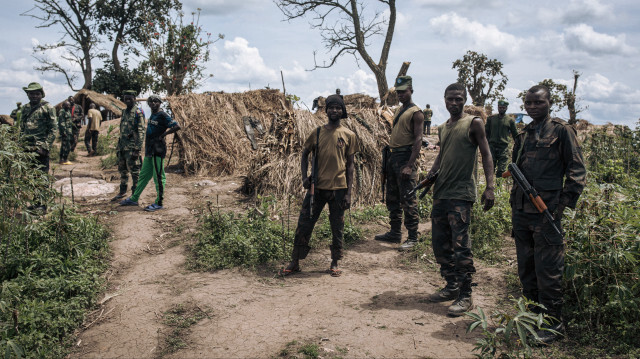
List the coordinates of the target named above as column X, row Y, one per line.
column 65, row 128
column 77, row 115
column 132, row 126
column 404, row 149
column 427, row 119
column 548, row 154
column 454, row 193
column 498, row 128
column 334, row 147
column 92, row 131
column 38, row 126
column 15, row 114
column 155, row 149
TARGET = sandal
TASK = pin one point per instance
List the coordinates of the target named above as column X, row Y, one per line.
column 285, row 272
column 335, row 272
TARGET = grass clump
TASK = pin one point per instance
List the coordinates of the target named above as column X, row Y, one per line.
column 180, row 318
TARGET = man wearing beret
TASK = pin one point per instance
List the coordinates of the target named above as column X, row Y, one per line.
column 132, row 125
column 333, row 147
column 404, row 149
column 38, row 125
column 498, row 128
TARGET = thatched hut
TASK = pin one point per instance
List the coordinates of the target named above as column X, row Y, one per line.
column 112, row 106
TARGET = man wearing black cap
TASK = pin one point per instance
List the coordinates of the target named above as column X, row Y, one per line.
column 132, row 127
column 333, row 147
column 498, row 128
column 404, row 149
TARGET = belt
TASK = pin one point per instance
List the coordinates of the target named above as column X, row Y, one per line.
column 401, row 149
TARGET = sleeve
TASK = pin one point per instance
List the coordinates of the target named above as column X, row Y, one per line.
column 52, row 124
column 170, row 122
column 139, row 130
column 512, row 128
column 61, row 128
column 487, row 128
column 516, row 147
column 354, row 146
column 575, row 171
column 311, row 141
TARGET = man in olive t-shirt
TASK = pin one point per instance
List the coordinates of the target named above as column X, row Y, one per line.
column 332, row 178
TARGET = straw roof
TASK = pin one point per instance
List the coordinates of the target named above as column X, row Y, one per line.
column 84, row 97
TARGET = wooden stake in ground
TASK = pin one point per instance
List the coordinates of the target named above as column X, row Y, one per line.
column 73, row 200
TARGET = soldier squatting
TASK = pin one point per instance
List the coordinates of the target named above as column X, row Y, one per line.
column 546, row 151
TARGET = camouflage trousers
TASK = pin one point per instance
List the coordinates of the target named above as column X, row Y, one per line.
column 74, row 138
column 128, row 164
column 540, row 251
column 396, row 190
column 500, row 155
column 306, row 222
column 65, row 147
column 450, row 239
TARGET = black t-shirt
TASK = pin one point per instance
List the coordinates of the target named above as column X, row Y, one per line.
column 158, row 123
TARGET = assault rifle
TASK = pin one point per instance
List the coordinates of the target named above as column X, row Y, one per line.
column 426, row 184
column 385, row 156
column 532, row 194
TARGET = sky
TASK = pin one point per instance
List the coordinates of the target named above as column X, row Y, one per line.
column 534, row 40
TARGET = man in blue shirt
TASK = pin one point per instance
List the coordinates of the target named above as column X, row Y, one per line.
column 155, row 149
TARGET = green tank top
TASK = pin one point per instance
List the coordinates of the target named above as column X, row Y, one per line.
column 457, row 161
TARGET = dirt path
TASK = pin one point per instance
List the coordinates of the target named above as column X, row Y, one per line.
column 377, row 308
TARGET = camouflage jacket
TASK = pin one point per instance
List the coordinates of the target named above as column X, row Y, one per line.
column 498, row 128
column 551, row 159
column 65, row 125
column 428, row 113
column 38, row 127
column 132, row 127
column 78, row 116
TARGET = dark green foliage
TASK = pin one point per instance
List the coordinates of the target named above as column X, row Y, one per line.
column 51, row 265
column 488, row 229
column 109, row 81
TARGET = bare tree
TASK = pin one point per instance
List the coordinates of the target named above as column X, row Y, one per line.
column 74, row 16
column 571, row 100
column 345, row 30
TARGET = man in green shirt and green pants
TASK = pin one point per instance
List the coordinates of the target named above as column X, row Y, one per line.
column 498, row 129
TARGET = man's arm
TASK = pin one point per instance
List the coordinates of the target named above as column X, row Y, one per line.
column 513, row 129
column 138, row 131
column 350, row 170
column 304, row 168
column 487, row 128
column 575, row 171
column 52, row 124
column 418, row 123
column 479, row 137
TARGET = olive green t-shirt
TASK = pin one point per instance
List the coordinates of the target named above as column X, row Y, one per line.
column 334, row 148
column 402, row 133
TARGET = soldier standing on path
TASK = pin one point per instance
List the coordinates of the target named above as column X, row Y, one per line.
column 427, row 120
column 92, row 132
column 15, row 114
column 132, row 125
column 404, row 149
column 548, row 154
column 65, row 128
column 333, row 147
column 454, row 193
column 77, row 115
column 498, row 128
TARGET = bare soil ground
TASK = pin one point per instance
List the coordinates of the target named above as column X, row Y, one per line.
column 377, row 308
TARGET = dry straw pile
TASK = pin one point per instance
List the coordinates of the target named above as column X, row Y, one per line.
column 213, row 140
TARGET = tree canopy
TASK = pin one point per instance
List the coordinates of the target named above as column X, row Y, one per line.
column 483, row 77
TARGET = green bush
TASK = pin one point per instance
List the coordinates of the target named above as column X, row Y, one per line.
column 107, row 143
column 488, row 229
column 51, row 264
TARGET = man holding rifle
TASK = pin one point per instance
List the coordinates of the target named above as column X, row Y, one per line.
column 549, row 157
column 401, row 155
column 333, row 147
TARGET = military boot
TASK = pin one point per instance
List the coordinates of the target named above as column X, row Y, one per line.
column 463, row 303
column 552, row 331
column 393, row 236
column 411, row 241
column 450, row 292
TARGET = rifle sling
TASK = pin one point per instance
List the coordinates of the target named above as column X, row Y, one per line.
column 315, row 157
column 395, row 120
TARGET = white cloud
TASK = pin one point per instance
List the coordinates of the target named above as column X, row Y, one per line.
column 221, row 7
column 485, row 38
column 599, row 88
column 237, row 62
column 295, row 75
column 453, row 3
column 577, row 11
column 584, row 38
column 361, row 82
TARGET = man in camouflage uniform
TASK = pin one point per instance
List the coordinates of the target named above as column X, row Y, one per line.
column 427, row 119
column 498, row 128
column 132, row 130
column 15, row 114
column 65, row 128
column 38, row 125
column 454, row 194
column 77, row 115
column 403, row 151
column 550, row 157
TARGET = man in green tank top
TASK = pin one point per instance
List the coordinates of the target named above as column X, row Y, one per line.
column 498, row 129
column 334, row 147
column 453, row 195
column 404, row 149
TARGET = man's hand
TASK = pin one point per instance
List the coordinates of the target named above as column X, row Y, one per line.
column 42, row 152
column 559, row 212
column 488, row 198
column 346, row 201
column 306, row 182
column 405, row 172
